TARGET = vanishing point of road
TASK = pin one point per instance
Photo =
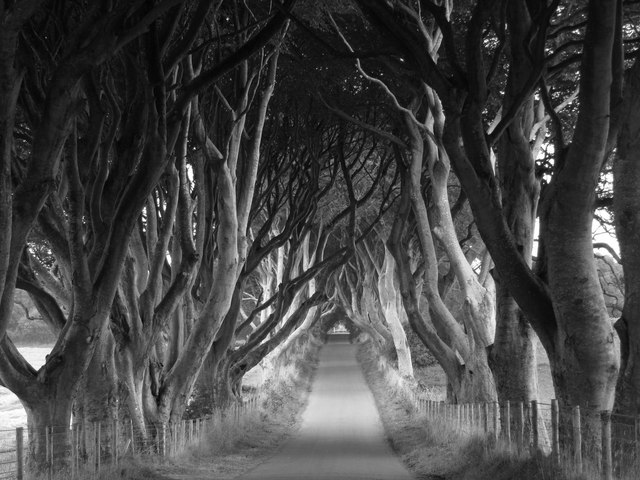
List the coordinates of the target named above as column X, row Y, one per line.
column 341, row 436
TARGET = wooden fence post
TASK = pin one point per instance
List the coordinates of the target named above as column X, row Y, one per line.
column 555, row 432
column 506, row 422
column 463, row 424
column 20, row 453
column 635, row 438
column 636, row 435
column 485, row 408
column 496, row 420
column 577, row 438
column 472, row 422
column 133, row 438
column 84, row 439
column 607, row 460
column 173, row 434
column 534, row 427
column 78, row 447
column 74, row 450
column 47, row 455
column 98, row 446
column 164, row 440
column 114, row 443
column 521, row 421
column 49, row 448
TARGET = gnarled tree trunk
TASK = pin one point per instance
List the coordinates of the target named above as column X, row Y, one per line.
column 513, row 357
column 626, row 204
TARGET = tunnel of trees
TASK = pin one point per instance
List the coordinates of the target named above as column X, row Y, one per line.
column 189, row 186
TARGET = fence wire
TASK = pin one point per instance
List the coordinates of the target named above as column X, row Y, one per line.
column 579, row 439
column 85, row 450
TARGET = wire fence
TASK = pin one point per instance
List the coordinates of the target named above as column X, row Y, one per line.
column 583, row 440
column 85, row 450
column 10, row 453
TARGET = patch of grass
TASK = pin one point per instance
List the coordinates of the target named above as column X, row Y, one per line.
column 433, row 450
column 231, row 450
column 432, row 379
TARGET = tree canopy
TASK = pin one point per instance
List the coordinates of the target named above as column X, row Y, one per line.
column 188, row 186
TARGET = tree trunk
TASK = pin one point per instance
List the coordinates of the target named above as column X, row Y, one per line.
column 179, row 381
column 476, row 382
column 420, row 322
column 221, row 388
column 132, row 381
column 626, row 205
column 387, row 294
column 478, row 308
column 586, row 358
column 49, row 411
column 99, row 392
column 513, row 355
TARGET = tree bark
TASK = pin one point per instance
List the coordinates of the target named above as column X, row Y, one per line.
column 513, row 355
column 387, row 294
column 585, row 360
column 99, row 392
column 626, row 206
column 475, row 382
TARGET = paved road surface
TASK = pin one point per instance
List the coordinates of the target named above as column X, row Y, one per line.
column 341, row 436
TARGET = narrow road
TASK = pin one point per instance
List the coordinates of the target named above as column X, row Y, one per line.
column 341, row 436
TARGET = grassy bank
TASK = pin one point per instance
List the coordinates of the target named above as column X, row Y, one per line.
column 434, row 451
column 233, row 450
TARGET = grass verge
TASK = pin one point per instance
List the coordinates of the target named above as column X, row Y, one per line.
column 231, row 450
column 435, row 451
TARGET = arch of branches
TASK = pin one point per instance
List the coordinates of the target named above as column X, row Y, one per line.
column 189, row 188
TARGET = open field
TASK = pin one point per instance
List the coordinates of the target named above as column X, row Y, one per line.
column 12, row 415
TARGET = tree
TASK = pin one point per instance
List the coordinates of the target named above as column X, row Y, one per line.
column 63, row 125
column 107, row 129
column 513, row 354
column 626, row 203
column 585, row 367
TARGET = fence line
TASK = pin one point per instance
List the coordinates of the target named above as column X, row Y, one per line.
column 568, row 435
column 97, row 446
